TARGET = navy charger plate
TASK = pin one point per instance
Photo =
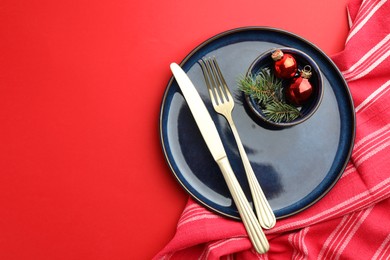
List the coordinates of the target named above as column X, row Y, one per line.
column 295, row 166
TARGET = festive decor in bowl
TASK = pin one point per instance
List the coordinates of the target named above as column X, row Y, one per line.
column 282, row 87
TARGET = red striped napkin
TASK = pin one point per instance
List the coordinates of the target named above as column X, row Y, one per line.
column 353, row 220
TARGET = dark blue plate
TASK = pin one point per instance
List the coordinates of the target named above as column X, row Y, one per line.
column 295, row 166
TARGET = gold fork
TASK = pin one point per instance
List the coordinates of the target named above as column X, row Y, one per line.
column 223, row 104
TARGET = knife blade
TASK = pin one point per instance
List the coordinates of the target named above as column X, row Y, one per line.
column 214, row 143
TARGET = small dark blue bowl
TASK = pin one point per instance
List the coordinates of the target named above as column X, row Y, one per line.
column 308, row 109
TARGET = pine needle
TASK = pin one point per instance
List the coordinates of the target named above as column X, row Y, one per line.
column 267, row 90
column 278, row 111
column 263, row 87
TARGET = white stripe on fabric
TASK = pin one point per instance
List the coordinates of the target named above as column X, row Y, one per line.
column 297, row 242
column 349, row 18
column 368, row 155
column 353, row 231
column 370, row 144
column 195, row 212
column 372, row 135
column 341, row 207
column 367, row 56
column 364, row 21
column 373, row 52
column 374, row 96
column 383, row 251
column 364, row 9
column 214, row 245
column 371, row 67
column 342, row 235
column 303, row 254
column 350, row 169
column 291, row 239
column 352, row 220
column 190, row 208
column 197, row 218
column 190, row 212
column 331, row 238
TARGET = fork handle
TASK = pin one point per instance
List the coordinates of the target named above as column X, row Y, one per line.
column 263, row 209
column 255, row 233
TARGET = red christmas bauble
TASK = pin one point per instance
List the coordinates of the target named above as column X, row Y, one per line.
column 300, row 89
column 285, row 65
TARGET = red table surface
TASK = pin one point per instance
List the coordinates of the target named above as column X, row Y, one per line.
column 82, row 173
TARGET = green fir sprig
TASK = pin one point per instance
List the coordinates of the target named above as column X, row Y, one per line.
column 267, row 90
column 278, row 111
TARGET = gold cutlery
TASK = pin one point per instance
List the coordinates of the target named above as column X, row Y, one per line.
column 223, row 104
column 214, row 143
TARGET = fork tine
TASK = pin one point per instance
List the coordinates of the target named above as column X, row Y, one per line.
column 207, row 78
column 218, row 80
column 214, row 82
column 222, row 80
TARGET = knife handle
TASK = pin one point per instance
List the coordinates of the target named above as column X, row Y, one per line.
column 255, row 233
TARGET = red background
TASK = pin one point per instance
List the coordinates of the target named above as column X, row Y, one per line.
column 82, row 173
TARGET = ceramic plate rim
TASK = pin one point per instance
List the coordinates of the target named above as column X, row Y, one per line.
column 231, row 32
